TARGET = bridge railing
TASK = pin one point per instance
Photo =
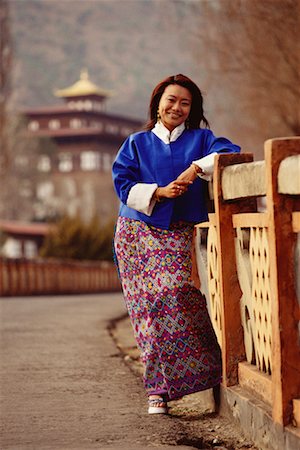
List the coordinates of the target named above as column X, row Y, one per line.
column 49, row 276
column 249, row 266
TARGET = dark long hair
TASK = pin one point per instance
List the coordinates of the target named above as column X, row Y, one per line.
column 196, row 115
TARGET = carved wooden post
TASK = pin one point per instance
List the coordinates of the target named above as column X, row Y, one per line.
column 233, row 349
column 285, row 308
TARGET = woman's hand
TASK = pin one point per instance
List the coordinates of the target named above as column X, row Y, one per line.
column 180, row 185
column 173, row 190
column 190, row 174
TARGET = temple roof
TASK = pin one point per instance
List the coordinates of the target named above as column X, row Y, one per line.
column 24, row 228
column 82, row 87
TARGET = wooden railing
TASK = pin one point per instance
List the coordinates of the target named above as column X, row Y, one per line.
column 248, row 263
column 42, row 276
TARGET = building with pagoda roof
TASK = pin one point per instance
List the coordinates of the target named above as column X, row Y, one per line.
column 82, row 88
column 75, row 177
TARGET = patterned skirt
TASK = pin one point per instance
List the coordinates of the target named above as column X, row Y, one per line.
column 169, row 316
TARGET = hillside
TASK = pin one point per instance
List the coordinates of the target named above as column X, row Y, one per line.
column 130, row 45
column 127, row 46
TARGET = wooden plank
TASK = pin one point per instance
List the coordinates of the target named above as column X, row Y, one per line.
column 296, row 412
column 233, row 350
column 255, row 381
column 289, row 175
column 296, row 221
column 250, row 220
column 203, row 225
column 244, row 180
column 285, row 307
column 211, row 221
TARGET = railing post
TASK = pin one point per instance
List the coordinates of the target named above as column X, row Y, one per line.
column 285, row 308
column 32, row 277
column 233, row 350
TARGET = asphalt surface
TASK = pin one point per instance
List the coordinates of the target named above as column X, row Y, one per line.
column 64, row 383
column 70, row 379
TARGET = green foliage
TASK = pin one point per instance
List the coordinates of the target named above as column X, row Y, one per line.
column 72, row 238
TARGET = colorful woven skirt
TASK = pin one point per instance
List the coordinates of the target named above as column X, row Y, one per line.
column 169, row 316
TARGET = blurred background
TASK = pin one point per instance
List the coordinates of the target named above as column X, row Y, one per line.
column 76, row 79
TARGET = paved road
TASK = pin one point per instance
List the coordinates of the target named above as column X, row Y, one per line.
column 64, row 384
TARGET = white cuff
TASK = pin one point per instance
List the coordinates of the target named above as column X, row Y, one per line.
column 140, row 197
column 207, row 165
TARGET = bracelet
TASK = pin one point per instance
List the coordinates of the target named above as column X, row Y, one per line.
column 156, row 196
column 197, row 169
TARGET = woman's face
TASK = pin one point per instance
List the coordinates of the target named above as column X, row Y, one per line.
column 174, row 106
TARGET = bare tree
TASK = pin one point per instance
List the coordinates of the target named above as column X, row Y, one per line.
column 5, row 86
column 19, row 173
column 18, row 154
column 252, row 48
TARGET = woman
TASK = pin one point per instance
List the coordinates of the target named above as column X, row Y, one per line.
column 159, row 177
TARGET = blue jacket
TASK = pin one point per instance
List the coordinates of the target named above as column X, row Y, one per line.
column 145, row 158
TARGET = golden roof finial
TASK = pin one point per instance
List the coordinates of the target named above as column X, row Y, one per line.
column 84, row 74
column 82, row 87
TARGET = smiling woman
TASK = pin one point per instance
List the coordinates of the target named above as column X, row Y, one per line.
column 159, row 177
column 174, row 106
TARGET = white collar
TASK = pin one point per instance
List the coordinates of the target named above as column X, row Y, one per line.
column 166, row 135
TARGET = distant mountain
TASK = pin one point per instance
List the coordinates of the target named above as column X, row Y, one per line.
column 130, row 45
column 127, row 46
